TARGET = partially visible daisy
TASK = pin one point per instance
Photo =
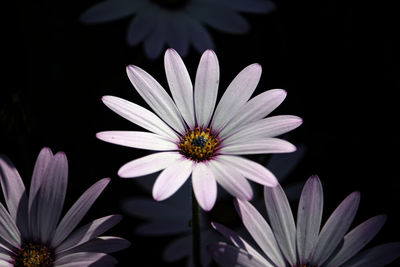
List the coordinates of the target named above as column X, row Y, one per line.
column 285, row 244
column 195, row 139
column 176, row 23
column 31, row 233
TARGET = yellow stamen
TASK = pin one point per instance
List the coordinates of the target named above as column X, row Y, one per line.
column 199, row 144
column 33, row 255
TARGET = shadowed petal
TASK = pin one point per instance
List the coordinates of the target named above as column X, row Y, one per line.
column 260, row 231
column 8, row 230
column 141, row 26
column 135, row 139
column 251, row 6
column 154, row 43
column 250, row 169
column 258, row 146
column 77, row 211
column 334, row 229
column 85, row 259
column 281, row 220
column 180, row 85
column 354, row 241
column 236, row 95
column 179, row 37
column 178, row 249
column 156, row 97
column 148, row 164
column 200, row 38
column 204, row 186
column 171, row 179
column 309, row 216
column 140, row 116
column 206, row 87
column 164, row 227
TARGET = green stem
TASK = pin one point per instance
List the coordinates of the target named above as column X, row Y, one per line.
column 196, row 231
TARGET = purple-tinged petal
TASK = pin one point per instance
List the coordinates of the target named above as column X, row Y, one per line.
column 5, row 254
column 255, row 109
column 250, row 169
column 101, row 244
column 140, row 116
column 164, row 227
column 268, row 127
column 171, row 179
column 88, row 232
column 179, row 37
column 51, row 196
column 199, row 36
column 282, row 222
column 148, row 164
column 334, row 229
column 250, row 6
column 77, row 211
column 258, row 146
column 140, row 26
column 260, row 231
column 377, row 256
column 14, row 194
column 85, row 259
column 8, row 230
column 135, row 139
column 206, row 87
column 204, row 186
column 180, row 85
column 227, row 255
column 236, row 95
column 309, row 216
column 231, row 180
column 110, row 10
column 356, row 240
column 156, row 97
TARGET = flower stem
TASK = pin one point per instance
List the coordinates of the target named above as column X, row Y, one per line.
column 196, row 231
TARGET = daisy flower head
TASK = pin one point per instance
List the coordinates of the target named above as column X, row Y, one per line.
column 194, row 139
column 31, row 233
column 178, row 23
column 285, row 244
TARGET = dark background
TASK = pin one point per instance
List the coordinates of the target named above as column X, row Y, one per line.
column 338, row 61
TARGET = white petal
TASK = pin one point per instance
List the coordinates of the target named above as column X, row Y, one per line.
column 143, row 140
column 236, row 95
column 180, row 85
column 258, row 146
column 204, row 186
column 206, row 87
column 8, row 230
column 139, row 115
column 156, row 97
column 148, row 164
column 171, row 179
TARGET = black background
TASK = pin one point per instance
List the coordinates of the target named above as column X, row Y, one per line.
column 338, row 61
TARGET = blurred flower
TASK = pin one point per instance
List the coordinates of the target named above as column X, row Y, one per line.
column 30, row 234
column 284, row 245
column 198, row 143
column 177, row 23
column 171, row 217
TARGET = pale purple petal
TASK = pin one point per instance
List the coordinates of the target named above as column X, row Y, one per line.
column 77, row 211
column 200, row 37
column 356, row 240
column 51, row 196
column 141, row 26
column 309, row 216
column 206, row 87
column 156, row 97
column 250, row 6
column 88, row 232
column 136, row 139
column 250, row 169
column 282, row 222
column 258, row 146
column 179, row 35
column 8, row 230
column 5, row 254
column 260, row 231
column 85, row 259
column 256, row 108
column 5, row 263
column 164, row 227
column 14, row 194
column 227, row 255
column 334, row 229
column 180, row 85
column 171, row 179
column 268, row 127
column 231, row 180
column 204, row 186
column 148, row 164
column 236, row 95
column 110, row 10
column 140, row 116
column 377, row 256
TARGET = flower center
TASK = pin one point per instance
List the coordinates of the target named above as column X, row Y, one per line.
column 171, row 4
column 34, row 255
column 198, row 144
